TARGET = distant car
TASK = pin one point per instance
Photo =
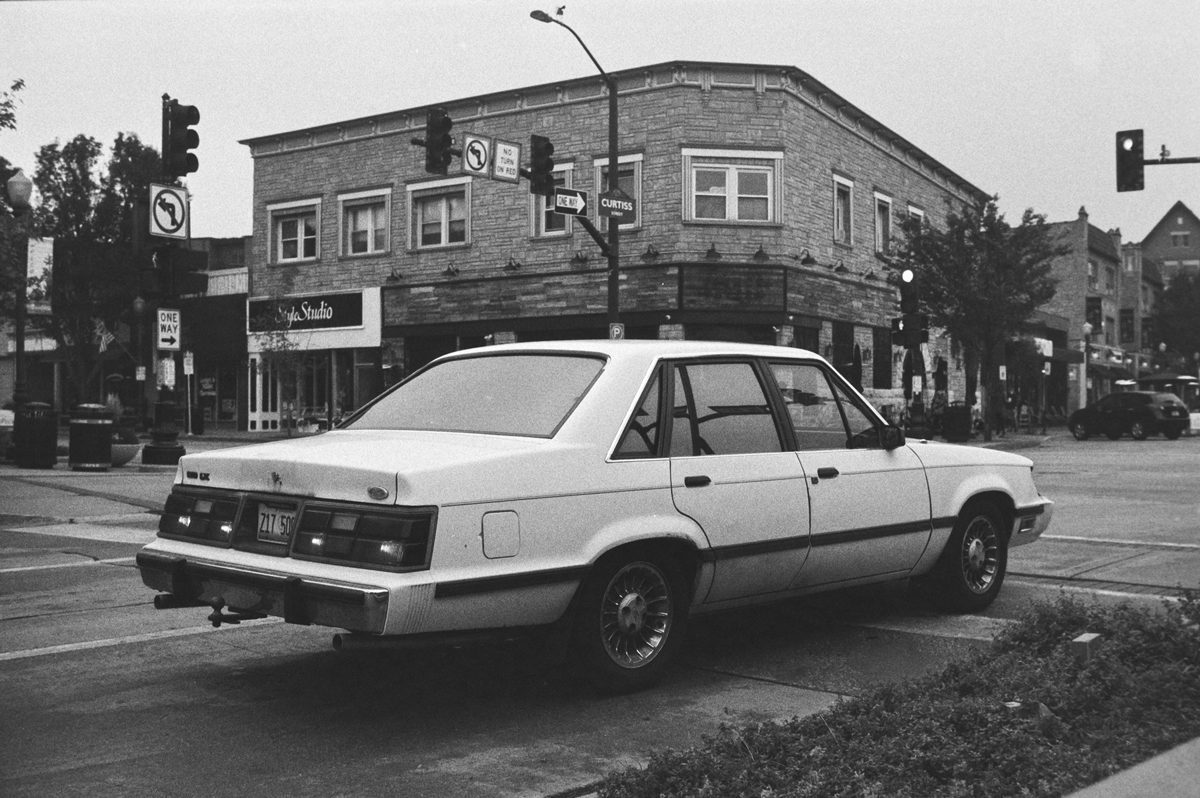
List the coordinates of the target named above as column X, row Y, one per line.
column 1138, row 413
column 601, row 491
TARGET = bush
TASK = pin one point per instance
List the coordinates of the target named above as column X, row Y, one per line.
column 1025, row 718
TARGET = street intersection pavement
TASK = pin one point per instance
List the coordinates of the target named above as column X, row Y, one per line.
column 121, row 505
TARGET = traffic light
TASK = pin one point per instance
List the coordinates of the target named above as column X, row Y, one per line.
column 180, row 272
column 1130, row 167
column 438, row 143
column 910, row 295
column 179, row 138
column 541, row 166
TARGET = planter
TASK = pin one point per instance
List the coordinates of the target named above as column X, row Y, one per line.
column 122, row 453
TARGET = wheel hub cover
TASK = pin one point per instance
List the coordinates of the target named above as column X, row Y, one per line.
column 975, row 554
column 631, row 614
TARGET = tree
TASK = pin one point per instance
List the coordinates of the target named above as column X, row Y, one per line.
column 1177, row 320
column 8, row 231
column 90, row 216
column 980, row 280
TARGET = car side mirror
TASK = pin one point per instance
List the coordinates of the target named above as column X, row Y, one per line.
column 891, row 437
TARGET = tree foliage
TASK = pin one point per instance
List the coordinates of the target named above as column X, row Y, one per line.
column 90, row 215
column 980, row 279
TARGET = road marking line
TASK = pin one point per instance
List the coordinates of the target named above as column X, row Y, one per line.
column 113, row 561
column 1121, row 542
column 97, row 532
column 120, row 641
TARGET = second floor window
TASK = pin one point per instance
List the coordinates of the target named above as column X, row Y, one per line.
column 883, row 223
column 731, row 186
column 364, row 223
column 843, row 191
column 1181, row 239
column 547, row 222
column 294, row 231
column 440, row 213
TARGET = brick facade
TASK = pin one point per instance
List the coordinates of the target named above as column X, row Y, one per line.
column 679, row 277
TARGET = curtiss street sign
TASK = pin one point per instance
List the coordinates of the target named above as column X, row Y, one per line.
column 618, row 205
column 570, row 202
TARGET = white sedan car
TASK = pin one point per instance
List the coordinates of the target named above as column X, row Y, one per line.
column 601, row 491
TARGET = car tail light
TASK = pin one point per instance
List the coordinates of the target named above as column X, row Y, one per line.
column 198, row 518
column 395, row 541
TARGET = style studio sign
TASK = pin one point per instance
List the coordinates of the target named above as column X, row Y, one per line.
column 312, row 312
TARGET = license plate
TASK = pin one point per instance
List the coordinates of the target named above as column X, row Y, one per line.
column 275, row 524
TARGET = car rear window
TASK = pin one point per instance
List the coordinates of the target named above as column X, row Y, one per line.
column 1166, row 399
column 515, row 394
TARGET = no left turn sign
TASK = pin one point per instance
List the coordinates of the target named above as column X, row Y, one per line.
column 168, row 211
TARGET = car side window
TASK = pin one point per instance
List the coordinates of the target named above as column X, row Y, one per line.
column 640, row 440
column 721, row 408
column 822, row 414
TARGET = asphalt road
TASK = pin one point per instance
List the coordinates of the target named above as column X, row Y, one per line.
column 100, row 694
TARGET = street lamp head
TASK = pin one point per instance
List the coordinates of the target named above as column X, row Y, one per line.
column 541, row 16
column 20, row 190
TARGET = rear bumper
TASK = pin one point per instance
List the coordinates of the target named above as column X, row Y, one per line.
column 358, row 608
column 1030, row 521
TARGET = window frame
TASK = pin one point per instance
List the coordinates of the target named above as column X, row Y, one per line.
column 352, row 201
column 443, row 190
column 769, row 162
column 884, row 233
column 540, row 208
column 843, row 229
column 599, row 165
column 279, row 212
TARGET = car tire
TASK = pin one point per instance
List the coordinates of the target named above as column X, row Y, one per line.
column 631, row 620
column 971, row 569
column 1138, row 430
column 1113, row 433
column 1080, row 431
column 1172, row 433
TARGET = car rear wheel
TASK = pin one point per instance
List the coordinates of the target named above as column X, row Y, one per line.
column 632, row 616
column 973, row 564
column 1113, row 433
column 1172, row 433
column 1080, row 431
column 1138, row 430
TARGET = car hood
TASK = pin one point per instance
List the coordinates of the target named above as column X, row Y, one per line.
column 934, row 454
column 412, row 467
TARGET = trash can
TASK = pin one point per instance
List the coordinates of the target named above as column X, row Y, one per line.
column 956, row 422
column 91, row 438
column 35, row 435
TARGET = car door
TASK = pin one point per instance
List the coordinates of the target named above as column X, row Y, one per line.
column 869, row 506
column 732, row 473
column 1111, row 415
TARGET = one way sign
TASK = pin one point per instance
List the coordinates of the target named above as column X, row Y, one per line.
column 168, row 329
column 570, row 202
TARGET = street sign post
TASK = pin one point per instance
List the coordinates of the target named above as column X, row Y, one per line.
column 570, row 202
column 168, row 329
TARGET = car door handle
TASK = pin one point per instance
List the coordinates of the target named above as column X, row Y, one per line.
column 827, row 473
column 696, row 482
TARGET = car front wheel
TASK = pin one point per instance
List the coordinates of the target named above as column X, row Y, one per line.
column 632, row 616
column 973, row 564
column 1080, row 431
column 1138, row 430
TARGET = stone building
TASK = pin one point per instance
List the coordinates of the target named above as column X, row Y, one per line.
column 766, row 205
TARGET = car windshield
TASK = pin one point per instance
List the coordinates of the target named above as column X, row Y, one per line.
column 508, row 394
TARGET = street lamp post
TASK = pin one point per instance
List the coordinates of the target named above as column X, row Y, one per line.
column 614, row 183
column 20, row 189
column 1083, row 369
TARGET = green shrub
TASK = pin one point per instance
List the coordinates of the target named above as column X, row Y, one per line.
column 1025, row 718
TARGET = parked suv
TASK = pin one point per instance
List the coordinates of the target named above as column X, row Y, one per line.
column 1140, row 413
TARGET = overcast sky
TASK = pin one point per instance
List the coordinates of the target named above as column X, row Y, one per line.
column 1022, row 98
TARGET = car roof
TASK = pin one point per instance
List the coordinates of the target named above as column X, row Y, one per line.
column 639, row 348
